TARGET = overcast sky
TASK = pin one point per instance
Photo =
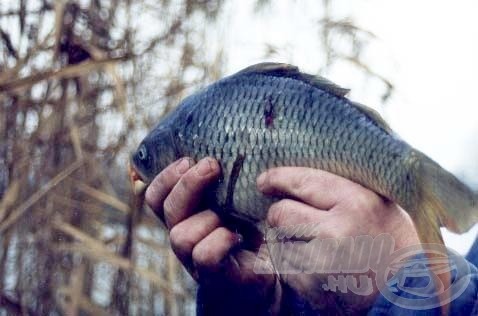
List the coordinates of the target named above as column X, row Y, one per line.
column 428, row 48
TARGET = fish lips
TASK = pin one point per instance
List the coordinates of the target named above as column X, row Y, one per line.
column 137, row 178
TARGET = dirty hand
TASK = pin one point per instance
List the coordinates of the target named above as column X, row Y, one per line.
column 210, row 252
column 329, row 211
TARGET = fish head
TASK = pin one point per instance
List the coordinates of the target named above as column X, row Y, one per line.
column 155, row 152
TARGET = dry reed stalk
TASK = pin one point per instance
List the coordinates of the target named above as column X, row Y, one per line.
column 25, row 206
column 75, row 290
column 76, row 140
column 83, row 303
column 62, row 73
column 9, row 198
column 154, row 245
column 98, row 251
column 172, row 271
column 103, row 197
column 68, row 202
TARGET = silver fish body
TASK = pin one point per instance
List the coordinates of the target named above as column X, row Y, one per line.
column 271, row 115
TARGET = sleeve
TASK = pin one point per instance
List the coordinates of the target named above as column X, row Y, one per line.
column 465, row 290
column 473, row 254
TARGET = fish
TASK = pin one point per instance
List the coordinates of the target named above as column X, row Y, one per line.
column 272, row 114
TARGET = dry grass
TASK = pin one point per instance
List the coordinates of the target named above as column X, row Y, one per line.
column 75, row 82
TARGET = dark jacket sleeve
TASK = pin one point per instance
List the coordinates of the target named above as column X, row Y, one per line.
column 465, row 303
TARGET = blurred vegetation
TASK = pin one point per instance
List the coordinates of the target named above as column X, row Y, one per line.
column 80, row 82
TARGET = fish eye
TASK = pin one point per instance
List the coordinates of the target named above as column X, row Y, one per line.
column 142, row 153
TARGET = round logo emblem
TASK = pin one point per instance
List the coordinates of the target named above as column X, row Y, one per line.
column 415, row 270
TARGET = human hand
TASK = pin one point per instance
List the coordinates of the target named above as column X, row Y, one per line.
column 339, row 209
column 210, row 252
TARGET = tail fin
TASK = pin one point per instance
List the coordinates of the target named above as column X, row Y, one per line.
column 443, row 200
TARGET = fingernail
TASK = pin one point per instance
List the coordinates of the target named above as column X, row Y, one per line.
column 183, row 165
column 261, row 181
column 204, row 167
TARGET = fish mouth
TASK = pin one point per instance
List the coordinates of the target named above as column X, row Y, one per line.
column 138, row 184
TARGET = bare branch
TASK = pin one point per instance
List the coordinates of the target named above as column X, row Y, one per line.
column 66, row 72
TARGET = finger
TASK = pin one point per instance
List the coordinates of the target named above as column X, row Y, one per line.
column 186, row 234
column 315, row 187
column 289, row 212
column 164, row 182
column 295, row 220
column 209, row 254
column 186, row 194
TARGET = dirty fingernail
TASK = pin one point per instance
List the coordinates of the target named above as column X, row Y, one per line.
column 204, row 167
column 183, row 165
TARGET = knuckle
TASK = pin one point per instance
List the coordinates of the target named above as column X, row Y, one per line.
column 302, row 184
column 306, row 190
column 165, row 177
column 160, row 184
column 202, row 256
column 297, row 183
column 169, row 204
column 180, row 241
column 205, row 255
column 187, row 183
column 192, row 182
column 180, row 195
column 170, row 207
column 157, row 190
column 278, row 212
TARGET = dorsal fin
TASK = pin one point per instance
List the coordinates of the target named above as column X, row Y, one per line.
column 290, row 71
column 373, row 115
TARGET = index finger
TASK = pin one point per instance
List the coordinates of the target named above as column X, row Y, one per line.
column 315, row 187
column 184, row 198
column 164, row 182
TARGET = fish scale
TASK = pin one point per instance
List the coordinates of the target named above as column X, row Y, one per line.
column 272, row 115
